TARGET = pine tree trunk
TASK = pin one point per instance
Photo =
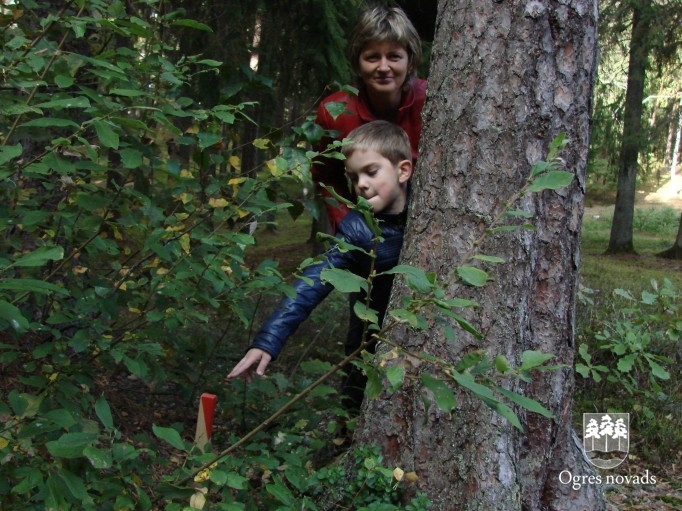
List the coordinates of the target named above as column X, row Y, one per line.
column 674, row 252
column 506, row 77
column 620, row 240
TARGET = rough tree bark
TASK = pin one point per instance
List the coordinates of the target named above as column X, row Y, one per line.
column 505, row 79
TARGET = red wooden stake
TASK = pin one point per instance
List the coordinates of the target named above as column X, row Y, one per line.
column 207, row 404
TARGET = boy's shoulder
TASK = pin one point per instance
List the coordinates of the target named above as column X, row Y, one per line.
column 354, row 226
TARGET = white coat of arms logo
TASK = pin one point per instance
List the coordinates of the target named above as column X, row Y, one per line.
column 606, row 438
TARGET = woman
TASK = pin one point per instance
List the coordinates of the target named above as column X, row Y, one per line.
column 384, row 51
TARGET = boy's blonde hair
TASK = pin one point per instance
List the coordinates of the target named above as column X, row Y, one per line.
column 386, row 138
column 386, row 24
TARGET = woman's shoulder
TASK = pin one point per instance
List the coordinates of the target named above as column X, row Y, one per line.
column 419, row 87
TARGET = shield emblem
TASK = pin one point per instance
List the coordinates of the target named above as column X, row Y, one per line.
column 606, row 438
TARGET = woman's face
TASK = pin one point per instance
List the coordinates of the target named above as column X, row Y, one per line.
column 384, row 65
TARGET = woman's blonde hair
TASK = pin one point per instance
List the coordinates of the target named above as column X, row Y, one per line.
column 385, row 24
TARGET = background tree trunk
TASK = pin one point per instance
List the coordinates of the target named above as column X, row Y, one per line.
column 620, row 240
column 505, row 79
column 674, row 252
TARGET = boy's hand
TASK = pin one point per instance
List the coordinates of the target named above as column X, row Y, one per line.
column 245, row 366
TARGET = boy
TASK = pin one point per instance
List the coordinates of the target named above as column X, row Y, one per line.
column 379, row 166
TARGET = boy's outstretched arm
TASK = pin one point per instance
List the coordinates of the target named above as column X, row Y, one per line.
column 244, row 367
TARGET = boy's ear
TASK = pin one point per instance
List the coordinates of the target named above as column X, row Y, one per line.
column 405, row 168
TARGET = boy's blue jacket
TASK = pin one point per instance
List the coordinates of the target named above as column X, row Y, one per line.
column 291, row 312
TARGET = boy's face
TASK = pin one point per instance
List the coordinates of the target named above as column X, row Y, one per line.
column 378, row 180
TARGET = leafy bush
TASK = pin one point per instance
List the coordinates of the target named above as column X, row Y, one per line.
column 635, row 349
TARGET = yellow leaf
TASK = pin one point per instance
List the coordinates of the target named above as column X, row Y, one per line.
column 79, row 270
column 398, row 473
column 242, row 213
column 161, row 271
column 186, row 173
column 261, row 143
column 202, row 476
column 235, row 182
column 198, row 500
column 217, row 203
column 194, row 128
column 272, row 166
column 134, row 310
column 3, row 443
column 184, row 243
column 185, row 197
column 235, row 162
column 411, row 477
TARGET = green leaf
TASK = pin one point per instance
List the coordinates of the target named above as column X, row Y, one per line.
column 519, row 213
column 70, row 445
column 552, row 180
column 50, row 122
column 506, row 412
column 106, row 135
column 13, row 316
column 281, row 492
column 40, row 256
column 365, row 313
column 417, row 279
column 408, row 317
column 525, row 402
column 129, row 93
column 466, row 326
column 131, row 158
column 395, row 375
column 170, row 435
column 469, row 360
column 472, row 275
column 530, row 359
column 507, row 228
column 208, row 139
column 9, row 152
column 467, row 381
column 192, row 24
column 336, row 108
column 490, row 259
column 625, row 363
column 98, row 458
column 75, row 485
column 443, row 395
column 24, row 405
column 103, row 411
column 557, row 144
column 657, row 370
column 373, row 386
column 343, row 280
column 32, row 286
column 236, row 481
column 582, row 350
column 75, row 102
column 218, row 477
